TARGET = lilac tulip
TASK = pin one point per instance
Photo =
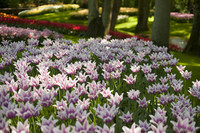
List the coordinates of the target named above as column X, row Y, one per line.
column 115, row 100
column 127, row 118
column 133, row 129
column 21, row 127
column 145, row 127
column 133, row 95
column 106, row 92
column 4, row 125
column 106, row 113
column 184, row 125
column 84, row 105
column 47, row 125
column 143, row 103
column 105, row 129
column 129, row 79
column 84, row 128
column 9, row 111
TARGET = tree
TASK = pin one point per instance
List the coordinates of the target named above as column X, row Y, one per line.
column 115, row 12
column 143, row 14
column 193, row 45
column 99, row 26
column 160, row 31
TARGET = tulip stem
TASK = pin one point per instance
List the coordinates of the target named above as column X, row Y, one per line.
column 34, row 129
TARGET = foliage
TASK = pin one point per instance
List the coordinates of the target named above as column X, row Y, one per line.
column 13, row 3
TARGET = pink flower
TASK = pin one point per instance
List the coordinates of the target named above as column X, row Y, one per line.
column 47, row 125
column 105, row 129
column 195, row 90
column 144, row 126
column 146, row 68
column 133, row 129
column 186, row 75
column 71, row 97
column 21, row 127
column 84, row 128
column 84, row 105
column 133, row 95
column 106, row 92
column 184, row 125
column 180, row 68
column 143, row 103
column 4, row 125
column 135, row 68
column 129, row 79
column 106, row 113
column 115, row 100
column 150, row 77
column 127, row 118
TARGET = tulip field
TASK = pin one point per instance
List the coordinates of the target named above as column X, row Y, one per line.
column 100, row 85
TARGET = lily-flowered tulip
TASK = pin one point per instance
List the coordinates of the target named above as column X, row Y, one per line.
column 180, row 68
column 186, row 75
column 28, row 110
column 184, row 126
column 9, row 111
column 133, row 94
column 127, row 118
column 145, row 127
column 47, row 125
column 68, row 112
column 106, row 92
column 71, row 97
column 84, row 128
column 129, row 79
column 21, row 128
column 84, row 105
column 60, row 105
column 105, row 129
column 4, row 128
column 150, row 77
column 135, row 68
column 133, row 129
column 195, row 90
column 115, row 100
column 146, row 68
column 64, row 129
column 106, row 113
column 143, row 102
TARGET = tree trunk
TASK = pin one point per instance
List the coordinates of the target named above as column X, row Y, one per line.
column 115, row 12
column 143, row 15
column 193, row 45
column 36, row 2
column 160, row 31
column 107, row 15
column 95, row 27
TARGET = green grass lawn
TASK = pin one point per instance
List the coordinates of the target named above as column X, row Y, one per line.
column 181, row 30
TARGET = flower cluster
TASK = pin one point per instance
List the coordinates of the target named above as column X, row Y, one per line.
column 96, row 85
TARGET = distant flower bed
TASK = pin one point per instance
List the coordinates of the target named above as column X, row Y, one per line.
column 7, row 15
column 48, row 9
column 73, row 27
column 23, row 34
column 95, row 86
column 182, row 17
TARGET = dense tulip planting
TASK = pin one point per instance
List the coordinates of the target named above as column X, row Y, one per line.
column 99, row 85
column 23, row 34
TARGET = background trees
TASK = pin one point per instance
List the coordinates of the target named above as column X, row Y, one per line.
column 160, row 32
column 193, row 45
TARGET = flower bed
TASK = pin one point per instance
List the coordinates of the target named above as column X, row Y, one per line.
column 99, row 85
column 23, row 34
column 182, row 17
column 74, row 27
column 48, row 9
